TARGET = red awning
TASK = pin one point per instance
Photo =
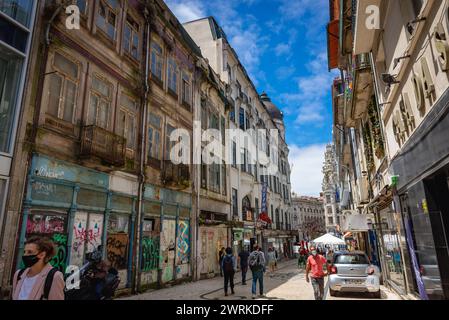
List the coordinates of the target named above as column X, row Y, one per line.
column 333, row 43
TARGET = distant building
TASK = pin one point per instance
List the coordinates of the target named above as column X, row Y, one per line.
column 308, row 217
column 330, row 189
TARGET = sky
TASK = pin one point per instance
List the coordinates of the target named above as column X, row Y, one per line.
column 283, row 46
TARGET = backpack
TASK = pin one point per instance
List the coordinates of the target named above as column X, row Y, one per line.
column 227, row 264
column 254, row 261
column 48, row 281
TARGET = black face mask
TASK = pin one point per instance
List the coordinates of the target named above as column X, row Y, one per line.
column 30, row 260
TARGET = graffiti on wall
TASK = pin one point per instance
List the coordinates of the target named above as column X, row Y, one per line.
column 94, row 232
column 167, row 250
column 183, row 244
column 87, row 230
column 45, row 224
column 59, row 261
column 117, row 250
column 53, row 227
column 150, row 254
column 78, row 239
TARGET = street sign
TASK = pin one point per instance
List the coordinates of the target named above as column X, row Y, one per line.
column 264, row 198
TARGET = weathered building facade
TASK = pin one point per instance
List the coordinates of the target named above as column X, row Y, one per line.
column 249, row 112
column 309, row 217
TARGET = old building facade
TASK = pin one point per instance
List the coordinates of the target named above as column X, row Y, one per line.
column 308, row 217
column 106, row 108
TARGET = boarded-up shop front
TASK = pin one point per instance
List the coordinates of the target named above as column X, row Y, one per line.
column 165, row 237
column 74, row 206
column 211, row 240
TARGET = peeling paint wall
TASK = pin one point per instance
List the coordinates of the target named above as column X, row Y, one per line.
column 211, row 240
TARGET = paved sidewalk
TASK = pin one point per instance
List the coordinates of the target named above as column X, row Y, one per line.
column 203, row 289
column 287, row 283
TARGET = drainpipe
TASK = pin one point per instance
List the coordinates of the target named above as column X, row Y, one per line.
column 138, row 229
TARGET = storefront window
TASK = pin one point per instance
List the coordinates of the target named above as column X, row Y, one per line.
column 424, row 246
column 50, row 192
column 92, row 198
column 19, row 10
column 10, row 69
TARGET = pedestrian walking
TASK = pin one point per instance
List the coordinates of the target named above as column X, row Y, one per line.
column 39, row 280
column 271, row 257
column 277, row 257
column 256, row 263
column 315, row 264
column 243, row 257
column 221, row 255
column 229, row 267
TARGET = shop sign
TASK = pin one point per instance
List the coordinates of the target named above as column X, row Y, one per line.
column 55, row 169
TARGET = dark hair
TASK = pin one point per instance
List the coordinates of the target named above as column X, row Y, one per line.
column 228, row 250
column 43, row 244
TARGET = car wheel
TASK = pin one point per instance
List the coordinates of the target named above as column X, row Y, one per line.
column 333, row 293
column 377, row 294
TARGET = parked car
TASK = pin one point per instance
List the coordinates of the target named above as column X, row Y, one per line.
column 351, row 271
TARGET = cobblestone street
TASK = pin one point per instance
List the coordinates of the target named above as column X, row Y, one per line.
column 287, row 283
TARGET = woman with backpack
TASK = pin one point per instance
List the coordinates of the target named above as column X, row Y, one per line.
column 229, row 267
column 39, row 280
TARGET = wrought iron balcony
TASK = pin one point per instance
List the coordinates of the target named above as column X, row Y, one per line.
column 175, row 173
column 101, row 143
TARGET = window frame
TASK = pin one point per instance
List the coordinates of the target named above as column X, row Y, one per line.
column 186, row 83
column 108, row 10
column 154, row 129
column 64, row 77
column 133, row 33
column 99, row 95
column 157, row 58
column 128, row 114
column 172, row 69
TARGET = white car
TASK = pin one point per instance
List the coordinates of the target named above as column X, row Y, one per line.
column 351, row 271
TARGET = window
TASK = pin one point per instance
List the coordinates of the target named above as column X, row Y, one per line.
column 82, row 6
column 232, row 113
column 247, row 121
column 203, row 174
column 107, row 17
column 126, row 125
column 168, row 144
column 203, row 115
column 186, row 91
column 351, row 259
column 234, row 202
column 242, row 118
column 223, row 179
column 214, row 177
column 131, row 37
column 172, row 76
column 63, row 87
column 243, row 159
column 19, row 10
column 156, row 60
column 100, row 103
column 154, row 137
column 234, row 154
column 223, row 130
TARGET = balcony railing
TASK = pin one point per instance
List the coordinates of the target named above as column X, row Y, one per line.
column 175, row 173
column 101, row 143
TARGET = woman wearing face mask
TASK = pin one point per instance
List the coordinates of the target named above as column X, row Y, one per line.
column 30, row 283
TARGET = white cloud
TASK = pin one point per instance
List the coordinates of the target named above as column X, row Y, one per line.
column 187, row 10
column 306, row 176
column 282, row 48
column 285, row 72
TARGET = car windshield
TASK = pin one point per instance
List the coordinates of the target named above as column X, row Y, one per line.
column 351, row 259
